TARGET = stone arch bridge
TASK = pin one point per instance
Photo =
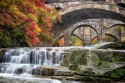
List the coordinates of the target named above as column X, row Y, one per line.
column 95, row 15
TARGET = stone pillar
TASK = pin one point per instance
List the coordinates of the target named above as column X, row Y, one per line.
column 67, row 38
column 100, row 35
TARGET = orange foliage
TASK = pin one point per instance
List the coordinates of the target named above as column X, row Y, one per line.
column 32, row 16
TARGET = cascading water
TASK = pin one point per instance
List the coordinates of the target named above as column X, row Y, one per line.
column 24, row 60
column 21, row 62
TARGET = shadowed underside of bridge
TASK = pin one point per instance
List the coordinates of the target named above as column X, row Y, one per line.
column 73, row 17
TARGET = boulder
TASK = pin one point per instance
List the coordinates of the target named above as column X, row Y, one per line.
column 75, row 57
column 116, row 74
column 85, row 70
column 92, row 79
column 73, row 67
column 64, row 73
column 19, row 71
column 43, row 71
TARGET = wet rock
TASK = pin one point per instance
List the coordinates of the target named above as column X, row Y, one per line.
column 4, row 49
column 49, row 49
column 2, row 80
column 92, row 79
column 85, row 78
column 106, row 56
column 63, row 77
column 118, row 57
column 43, row 71
column 2, row 52
column 75, row 57
column 84, row 70
column 73, row 67
column 118, row 73
column 18, row 71
column 36, row 72
column 47, row 71
column 65, row 60
column 1, row 56
column 64, row 73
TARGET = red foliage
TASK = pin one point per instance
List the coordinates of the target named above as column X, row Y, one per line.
column 35, row 41
column 40, row 3
column 28, row 17
column 47, row 9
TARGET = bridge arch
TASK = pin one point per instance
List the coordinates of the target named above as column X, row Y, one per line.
column 73, row 17
column 86, row 32
column 84, row 25
column 119, row 29
column 63, row 36
column 96, row 38
column 115, row 25
column 113, row 36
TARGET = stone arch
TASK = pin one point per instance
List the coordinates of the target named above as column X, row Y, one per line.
column 112, row 36
column 107, row 34
column 93, row 39
column 113, row 26
column 79, row 38
column 62, row 36
column 84, row 26
column 73, row 17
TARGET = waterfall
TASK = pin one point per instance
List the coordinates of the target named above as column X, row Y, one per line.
column 24, row 60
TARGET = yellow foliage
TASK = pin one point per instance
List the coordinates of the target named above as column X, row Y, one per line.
column 94, row 41
column 76, row 41
column 33, row 17
column 55, row 15
column 14, row 8
column 38, row 30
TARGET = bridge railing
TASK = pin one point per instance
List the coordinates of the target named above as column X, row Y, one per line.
column 121, row 9
column 63, row 1
column 87, row 3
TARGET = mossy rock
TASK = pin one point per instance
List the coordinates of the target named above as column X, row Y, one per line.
column 43, row 71
column 4, row 49
column 76, row 57
column 2, row 80
column 116, row 73
column 118, row 57
column 84, row 70
column 85, row 78
column 73, row 67
column 65, row 60
column 102, row 79
column 92, row 79
column 64, row 73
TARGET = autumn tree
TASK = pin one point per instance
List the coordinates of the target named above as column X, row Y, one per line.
column 26, row 23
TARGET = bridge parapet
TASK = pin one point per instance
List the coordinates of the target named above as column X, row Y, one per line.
column 65, row 7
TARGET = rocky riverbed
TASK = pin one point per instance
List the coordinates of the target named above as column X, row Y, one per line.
column 78, row 64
